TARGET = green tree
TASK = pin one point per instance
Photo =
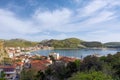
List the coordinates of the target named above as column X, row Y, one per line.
column 72, row 67
column 27, row 74
column 77, row 62
column 52, row 58
column 40, row 75
column 2, row 75
column 91, row 76
column 91, row 62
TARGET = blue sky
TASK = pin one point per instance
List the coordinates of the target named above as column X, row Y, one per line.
column 91, row 20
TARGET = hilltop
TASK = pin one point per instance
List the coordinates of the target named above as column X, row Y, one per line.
column 70, row 43
column 112, row 44
column 19, row 42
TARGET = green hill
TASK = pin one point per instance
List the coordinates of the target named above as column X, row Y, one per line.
column 19, row 42
column 66, row 43
column 112, row 44
column 70, row 43
column 92, row 44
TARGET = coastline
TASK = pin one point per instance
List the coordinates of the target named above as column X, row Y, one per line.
column 103, row 48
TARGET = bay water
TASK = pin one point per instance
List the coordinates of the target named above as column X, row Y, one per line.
column 77, row 53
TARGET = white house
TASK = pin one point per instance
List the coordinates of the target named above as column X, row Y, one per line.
column 55, row 55
column 10, row 72
column 11, row 55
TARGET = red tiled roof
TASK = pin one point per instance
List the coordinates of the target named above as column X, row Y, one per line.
column 39, row 64
column 67, row 59
column 7, row 68
column 19, row 63
column 2, row 66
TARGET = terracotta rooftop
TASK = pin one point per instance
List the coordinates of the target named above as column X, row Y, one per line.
column 19, row 63
column 67, row 59
column 7, row 68
column 39, row 64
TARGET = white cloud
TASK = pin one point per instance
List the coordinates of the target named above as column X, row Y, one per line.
column 101, row 17
column 104, row 37
column 8, row 21
column 98, row 32
column 13, row 27
column 54, row 19
column 94, row 6
column 61, row 20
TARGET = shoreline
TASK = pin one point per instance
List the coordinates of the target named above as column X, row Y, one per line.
column 104, row 48
column 75, row 49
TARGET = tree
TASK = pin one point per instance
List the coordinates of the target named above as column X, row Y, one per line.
column 48, row 73
column 40, row 75
column 2, row 75
column 27, row 74
column 52, row 58
column 58, row 71
column 77, row 62
column 1, row 50
column 91, row 62
column 90, row 76
column 72, row 67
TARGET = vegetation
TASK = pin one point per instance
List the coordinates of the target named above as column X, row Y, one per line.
column 99, row 68
column 19, row 42
column 112, row 44
column 90, row 68
column 92, row 44
column 94, row 75
column 77, row 43
column 60, row 44
column 2, row 75
column 27, row 75
column 66, row 43
column 70, row 43
column 2, row 51
column 7, row 61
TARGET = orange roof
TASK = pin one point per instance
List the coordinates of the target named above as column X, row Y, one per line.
column 2, row 66
column 19, row 63
column 39, row 64
column 67, row 59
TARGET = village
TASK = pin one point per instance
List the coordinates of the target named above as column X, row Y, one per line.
column 21, row 58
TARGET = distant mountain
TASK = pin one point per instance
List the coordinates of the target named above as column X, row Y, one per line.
column 19, row 42
column 92, row 44
column 70, row 43
column 112, row 44
column 66, row 43
column 17, row 39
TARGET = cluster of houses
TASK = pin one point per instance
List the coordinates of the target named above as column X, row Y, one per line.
column 16, row 51
column 22, row 59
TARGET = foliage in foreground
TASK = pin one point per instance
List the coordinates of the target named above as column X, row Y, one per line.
column 91, row 76
column 90, row 68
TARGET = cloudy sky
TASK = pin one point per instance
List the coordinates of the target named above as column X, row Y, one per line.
column 91, row 20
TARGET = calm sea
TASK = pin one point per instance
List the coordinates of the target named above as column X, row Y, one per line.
column 77, row 52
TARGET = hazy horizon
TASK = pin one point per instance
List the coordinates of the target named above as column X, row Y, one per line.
column 36, row 20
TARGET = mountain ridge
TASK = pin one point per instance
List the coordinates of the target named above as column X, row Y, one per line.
column 65, row 43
